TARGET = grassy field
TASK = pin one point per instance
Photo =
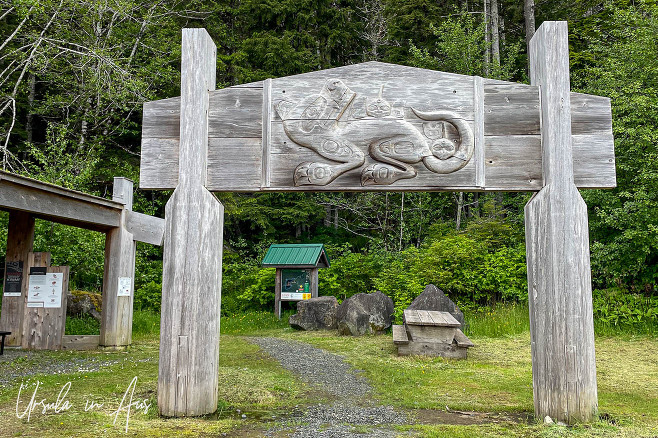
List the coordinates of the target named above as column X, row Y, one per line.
column 494, row 385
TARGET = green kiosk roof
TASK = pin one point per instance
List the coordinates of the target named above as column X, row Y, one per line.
column 296, row 255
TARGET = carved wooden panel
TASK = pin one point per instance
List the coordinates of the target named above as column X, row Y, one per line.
column 377, row 126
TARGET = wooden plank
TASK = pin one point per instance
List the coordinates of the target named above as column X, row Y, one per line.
column 44, row 326
column 594, row 161
column 432, row 349
column 32, row 334
column 117, row 310
column 478, row 131
column 425, row 318
column 400, row 335
column 428, row 333
column 411, row 316
column 55, row 189
column 557, row 246
column 402, row 86
column 235, row 112
column 462, row 340
column 192, row 252
column 80, row 342
column 145, row 228
column 511, row 109
column 57, row 206
column 20, row 240
column 443, row 318
column 590, row 114
column 513, row 162
column 158, row 168
column 267, row 132
column 501, row 109
column 283, row 167
column 231, row 155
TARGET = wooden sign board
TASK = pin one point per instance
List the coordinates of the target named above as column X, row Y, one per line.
column 374, row 127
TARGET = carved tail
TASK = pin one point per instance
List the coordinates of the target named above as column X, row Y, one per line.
column 463, row 152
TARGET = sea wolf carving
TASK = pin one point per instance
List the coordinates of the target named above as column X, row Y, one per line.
column 339, row 126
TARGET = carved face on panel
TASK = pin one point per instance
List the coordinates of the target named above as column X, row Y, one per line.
column 378, row 108
column 443, row 148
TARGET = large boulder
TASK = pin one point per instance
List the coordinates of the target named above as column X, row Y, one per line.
column 315, row 314
column 81, row 303
column 365, row 313
column 433, row 298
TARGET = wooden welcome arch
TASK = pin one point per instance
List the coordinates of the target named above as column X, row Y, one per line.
column 377, row 126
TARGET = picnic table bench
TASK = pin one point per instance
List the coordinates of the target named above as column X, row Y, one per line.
column 431, row 333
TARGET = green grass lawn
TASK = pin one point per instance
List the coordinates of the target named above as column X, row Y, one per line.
column 496, row 380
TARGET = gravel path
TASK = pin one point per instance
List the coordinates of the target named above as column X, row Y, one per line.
column 19, row 365
column 352, row 415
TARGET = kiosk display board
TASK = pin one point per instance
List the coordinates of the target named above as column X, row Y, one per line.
column 295, row 284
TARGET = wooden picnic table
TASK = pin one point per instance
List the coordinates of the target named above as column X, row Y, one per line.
column 430, row 333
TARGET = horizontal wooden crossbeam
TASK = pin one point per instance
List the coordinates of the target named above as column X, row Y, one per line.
column 250, row 148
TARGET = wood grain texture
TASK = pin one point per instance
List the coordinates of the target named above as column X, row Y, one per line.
column 192, row 261
column 145, row 228
column 117, row 311
column 504, row 109
column 20, row 240
column 429, row 333
column 462, row 340
column 400, row 335
column 433, row 349
column 80, row 342
column 557, row 250
column 478, row 131
column 57, row 206
column 191, row 296
column 44, row 326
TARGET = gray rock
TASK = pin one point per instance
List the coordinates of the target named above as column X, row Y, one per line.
column 82, row 305
column 433, row 298
column 315, row 314
column 365, row 313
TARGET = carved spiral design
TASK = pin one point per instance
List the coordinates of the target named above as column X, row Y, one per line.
column 447, row 157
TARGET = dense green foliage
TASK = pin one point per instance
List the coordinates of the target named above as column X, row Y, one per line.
column 73, row 76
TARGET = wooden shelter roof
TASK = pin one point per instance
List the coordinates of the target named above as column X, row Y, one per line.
column 298, row 255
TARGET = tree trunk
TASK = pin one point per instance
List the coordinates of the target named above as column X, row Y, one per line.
column 30, row 103
column 495, row 34
column 335, row 218
column 401, row 221
column 529, row 15
column 487, row 39
column 460, row 207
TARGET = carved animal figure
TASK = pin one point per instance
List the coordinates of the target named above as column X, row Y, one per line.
column 323, row 124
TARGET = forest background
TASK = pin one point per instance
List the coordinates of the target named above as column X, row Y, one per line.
column 74, row 75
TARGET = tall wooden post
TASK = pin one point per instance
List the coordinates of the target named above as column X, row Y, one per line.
column 20, row 240
column 119, row 274
column 191, row 280
column 557, row 242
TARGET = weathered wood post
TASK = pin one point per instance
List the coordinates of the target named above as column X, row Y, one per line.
column 20, row 240
column 557, row 241
column 191, row 281
column 119, row 273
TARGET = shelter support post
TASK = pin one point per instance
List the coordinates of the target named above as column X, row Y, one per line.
column 557, row 245
column 277, row 292
column 119, row 274
column 192, row 261
column 20, row 240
